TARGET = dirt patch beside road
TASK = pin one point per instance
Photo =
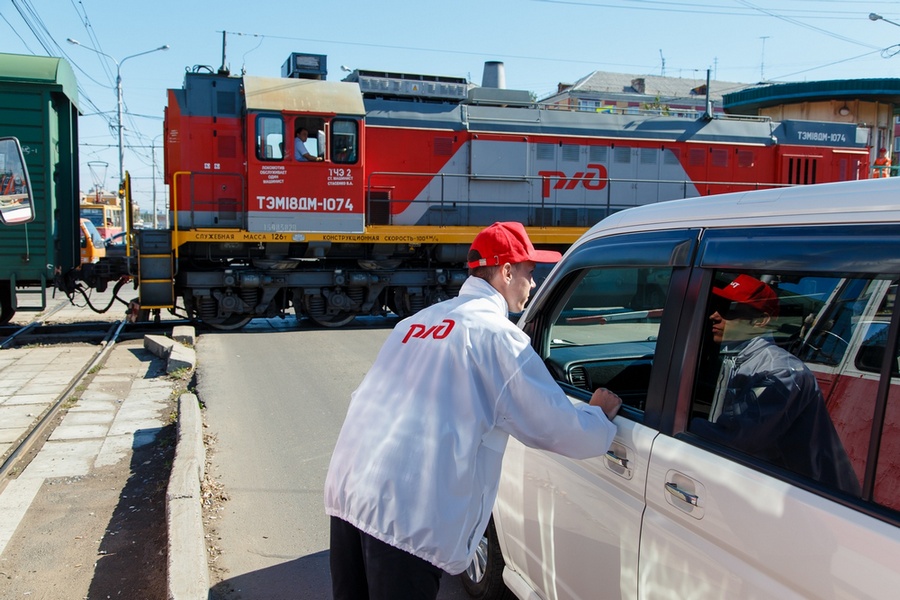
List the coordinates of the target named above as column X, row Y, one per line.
column 99, row 536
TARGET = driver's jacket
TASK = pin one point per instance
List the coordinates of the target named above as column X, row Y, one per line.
column 417, row 462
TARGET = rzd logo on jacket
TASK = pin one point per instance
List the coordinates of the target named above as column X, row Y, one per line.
column 438, row 332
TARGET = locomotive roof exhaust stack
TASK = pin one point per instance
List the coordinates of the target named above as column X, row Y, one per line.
column 493, row 90
column 494, row 75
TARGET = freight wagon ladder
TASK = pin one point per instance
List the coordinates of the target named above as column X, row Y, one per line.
column 29, row 291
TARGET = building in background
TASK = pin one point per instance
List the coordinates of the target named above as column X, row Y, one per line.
column 872, row 104
column 631, row 94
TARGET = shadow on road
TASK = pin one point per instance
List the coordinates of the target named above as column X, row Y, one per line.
column 306, row 578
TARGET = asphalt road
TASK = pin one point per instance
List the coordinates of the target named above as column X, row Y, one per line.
column 275, row 398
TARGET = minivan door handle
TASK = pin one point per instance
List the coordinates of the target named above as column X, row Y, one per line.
column 680, row 494
column 617, row 460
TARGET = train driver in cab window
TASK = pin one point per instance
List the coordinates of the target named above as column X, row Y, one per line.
column 767, row 403
column 301, row 150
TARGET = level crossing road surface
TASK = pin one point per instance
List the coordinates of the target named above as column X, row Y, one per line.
column 275, row 396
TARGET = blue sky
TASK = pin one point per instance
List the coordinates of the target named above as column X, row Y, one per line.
column 541, row 43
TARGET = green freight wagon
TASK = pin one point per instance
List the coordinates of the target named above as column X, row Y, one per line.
column 38, row 105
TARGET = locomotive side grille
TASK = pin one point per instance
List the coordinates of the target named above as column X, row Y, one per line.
column 226, row 103
column 696, row 157
column 443, row 146
column 227, row 146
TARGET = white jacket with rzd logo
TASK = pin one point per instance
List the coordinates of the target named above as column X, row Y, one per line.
column 417, row 462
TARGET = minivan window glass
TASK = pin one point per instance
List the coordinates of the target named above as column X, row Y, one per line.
column 779, row 375
column 605, row 335
column 887, row 472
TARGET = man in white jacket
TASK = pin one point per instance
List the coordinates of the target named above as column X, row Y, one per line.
column 416, row 467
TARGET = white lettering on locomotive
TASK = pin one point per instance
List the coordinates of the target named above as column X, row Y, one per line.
column 293, row 203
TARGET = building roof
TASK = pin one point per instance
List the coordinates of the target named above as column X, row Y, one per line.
column 609, row 85
column 750, row 100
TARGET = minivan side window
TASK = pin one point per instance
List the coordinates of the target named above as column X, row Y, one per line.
column 887, row 471
column 606, row 333
column 783, row 375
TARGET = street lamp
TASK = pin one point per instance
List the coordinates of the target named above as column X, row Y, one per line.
column 119, row 64
column 877, row 17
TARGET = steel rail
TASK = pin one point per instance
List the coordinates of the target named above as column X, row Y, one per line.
column 34, row 438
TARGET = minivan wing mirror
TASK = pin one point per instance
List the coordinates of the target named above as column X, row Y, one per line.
column 16, row 204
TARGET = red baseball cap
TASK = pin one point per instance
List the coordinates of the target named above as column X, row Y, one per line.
column 507, row 242
column 751, row 292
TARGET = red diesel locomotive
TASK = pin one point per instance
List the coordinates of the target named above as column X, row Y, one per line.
column 406, row 170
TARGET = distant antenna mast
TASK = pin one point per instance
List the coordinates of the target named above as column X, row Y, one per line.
column 98, row 175
column 762, row 60
column 223, row 68
column 662, row 71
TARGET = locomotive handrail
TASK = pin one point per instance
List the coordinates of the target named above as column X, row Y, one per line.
column 477, row 176
column 176, row 205
column 192, row 175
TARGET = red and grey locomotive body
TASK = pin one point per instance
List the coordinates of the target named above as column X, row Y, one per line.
column 408, row 169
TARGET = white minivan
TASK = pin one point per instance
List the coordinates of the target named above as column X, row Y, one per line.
column 791, row 491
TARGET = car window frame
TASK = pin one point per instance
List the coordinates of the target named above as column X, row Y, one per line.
column 674, row 248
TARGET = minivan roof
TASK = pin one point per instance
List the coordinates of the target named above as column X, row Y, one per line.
column 865, row 201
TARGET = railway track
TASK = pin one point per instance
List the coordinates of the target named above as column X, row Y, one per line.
column 103, row 335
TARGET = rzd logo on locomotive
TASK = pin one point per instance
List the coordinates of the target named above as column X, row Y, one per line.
column 438, row 332
column 592, row 180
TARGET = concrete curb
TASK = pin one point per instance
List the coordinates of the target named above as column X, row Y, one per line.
column 188, row 572
column 177, row 355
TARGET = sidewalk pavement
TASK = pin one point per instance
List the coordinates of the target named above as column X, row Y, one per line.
column 124, row 407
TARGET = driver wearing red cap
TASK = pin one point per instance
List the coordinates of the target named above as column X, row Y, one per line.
column 415, row 471
column 767, row 401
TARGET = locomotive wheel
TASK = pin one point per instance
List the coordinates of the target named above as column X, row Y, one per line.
column 314, row 308
column 7, row 312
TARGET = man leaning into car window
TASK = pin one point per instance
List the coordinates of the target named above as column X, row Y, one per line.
column 767, row 402
column 416, row 467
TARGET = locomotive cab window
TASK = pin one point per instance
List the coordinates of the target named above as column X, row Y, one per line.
column 344, row 141
column 269, row 137
column 308, row 136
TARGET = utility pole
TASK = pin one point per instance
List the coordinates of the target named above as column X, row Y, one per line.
column 762, row 60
